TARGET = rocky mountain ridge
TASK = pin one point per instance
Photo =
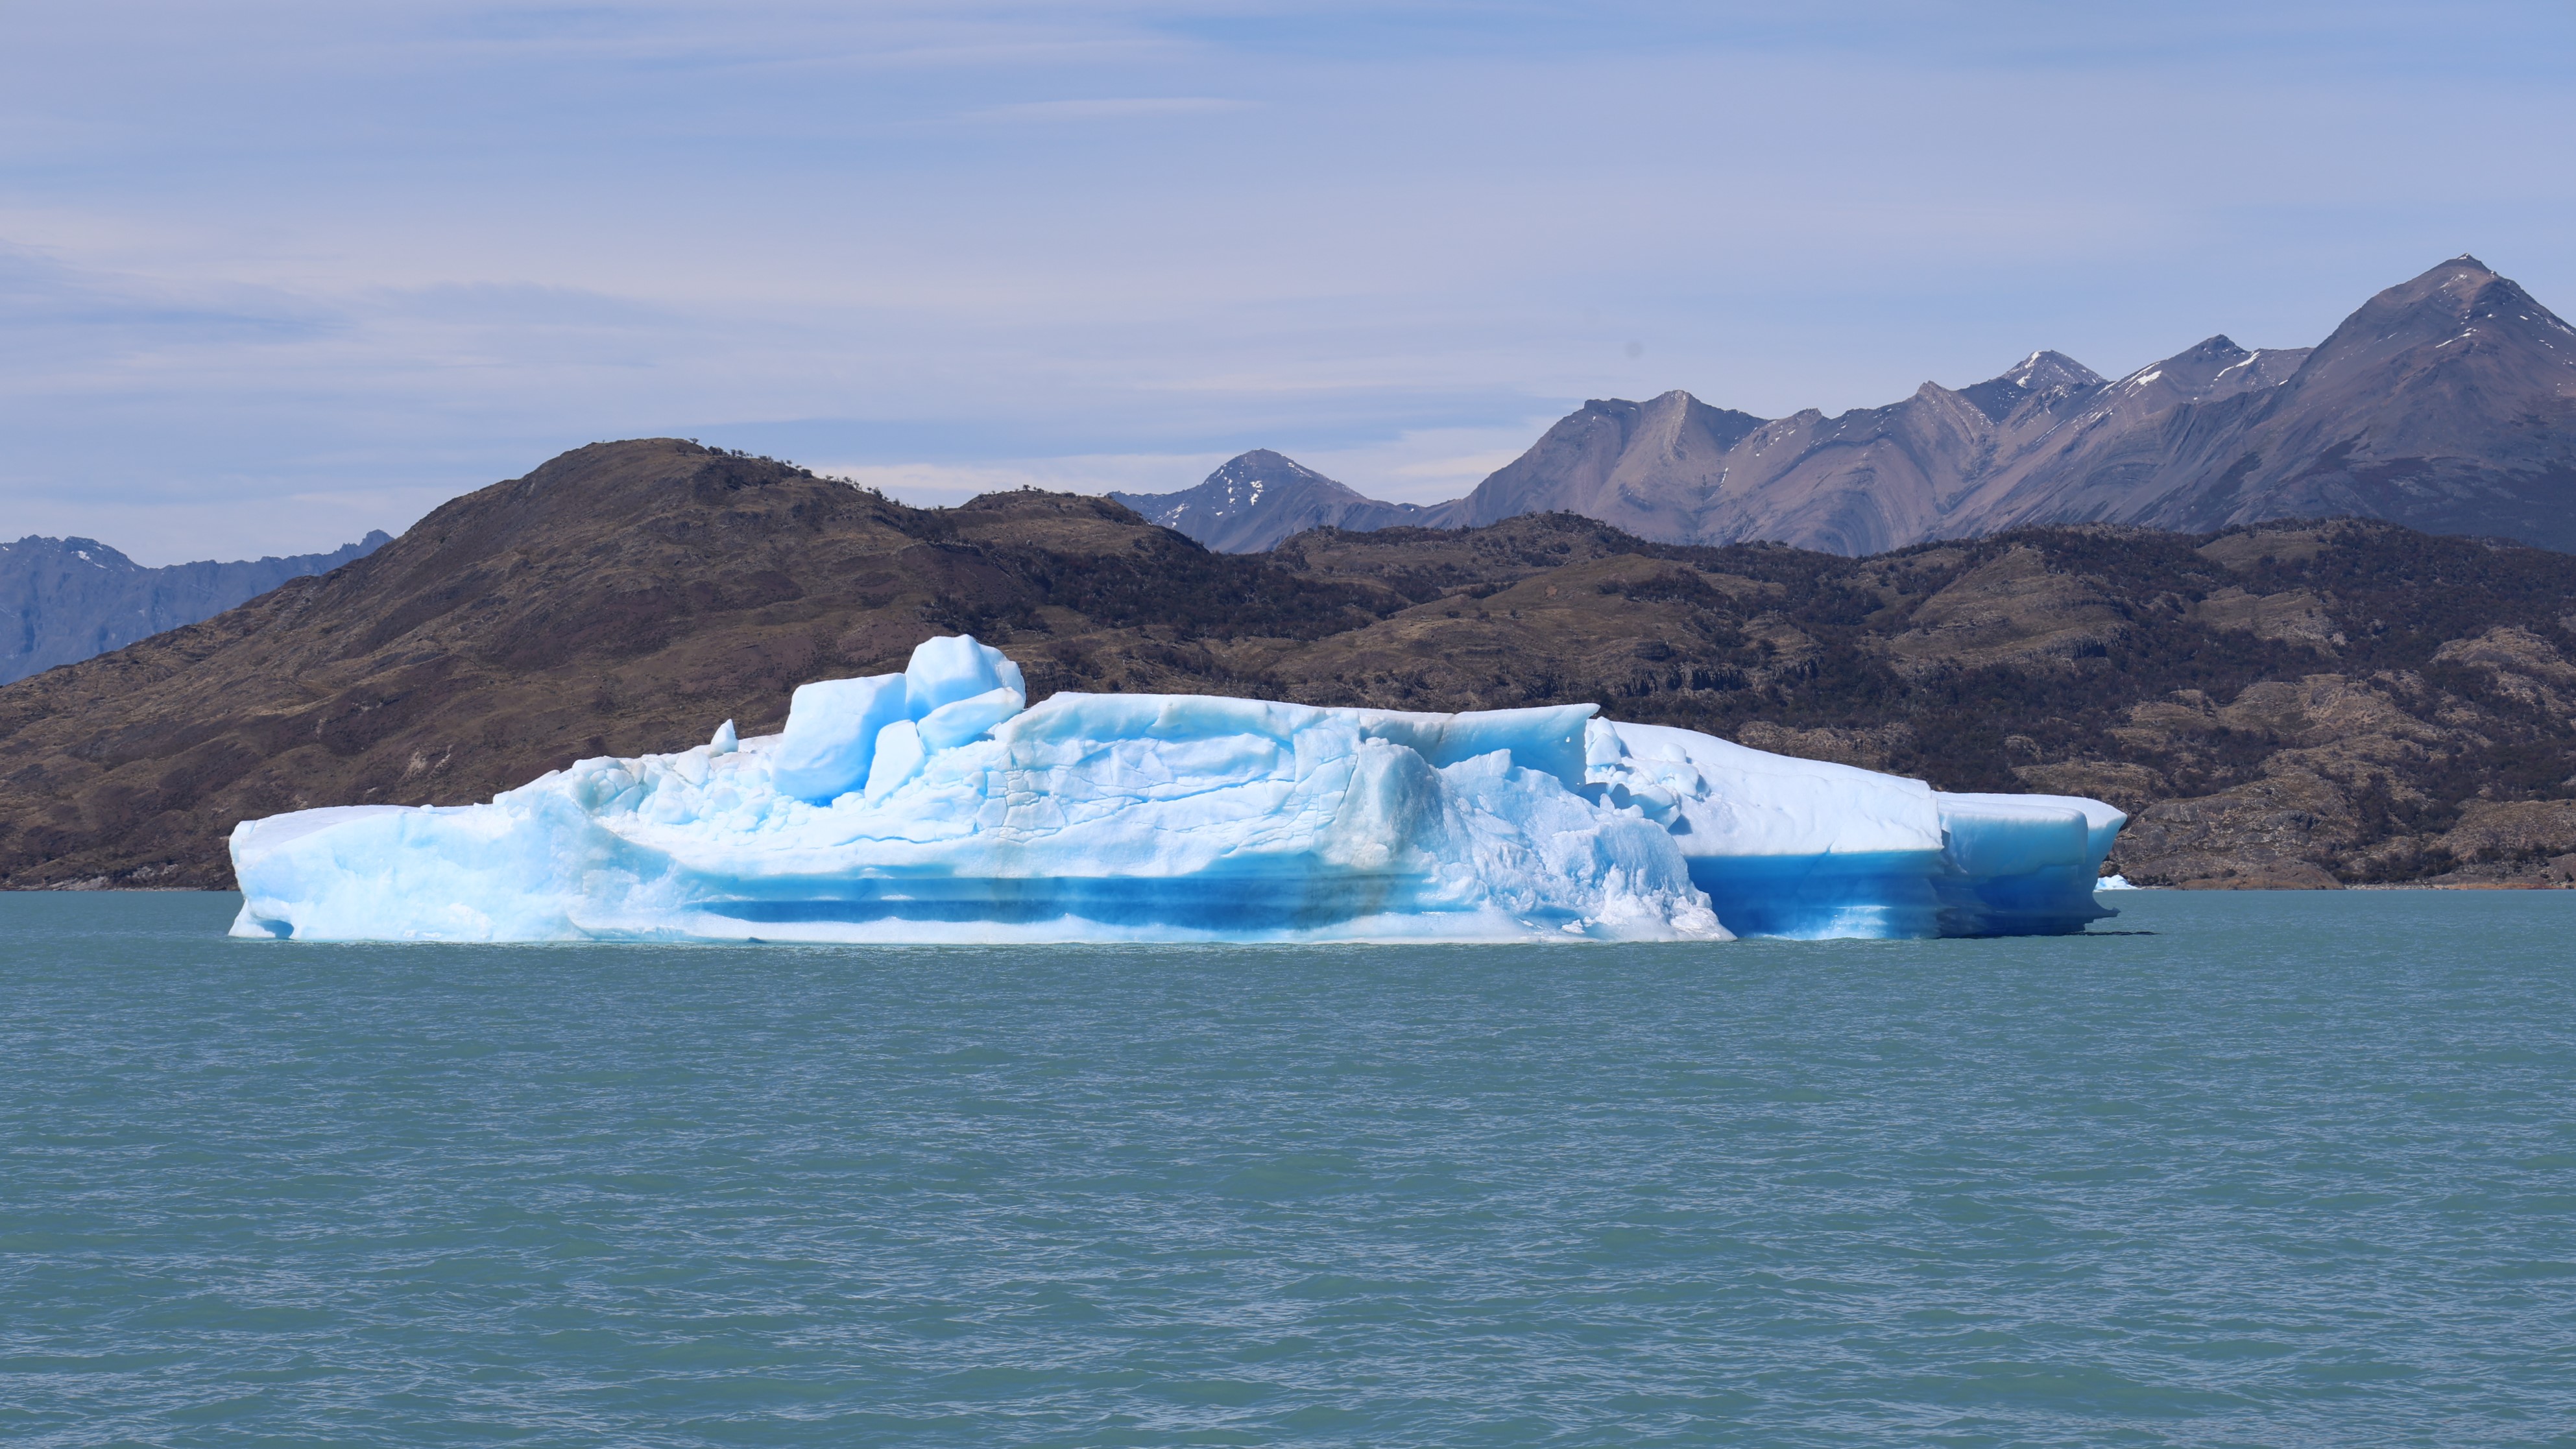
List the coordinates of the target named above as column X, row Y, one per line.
column 2306, row 704
column 2446, row 403
column 63, row 599
column 1255, row 499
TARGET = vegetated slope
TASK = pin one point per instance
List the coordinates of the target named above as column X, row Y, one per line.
column 63, row 599
column 2447, row 402
column 2285, row 706
column 1255, row 499
column 2295, row 705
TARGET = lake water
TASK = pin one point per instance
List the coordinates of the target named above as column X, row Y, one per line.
column 2283, row 1169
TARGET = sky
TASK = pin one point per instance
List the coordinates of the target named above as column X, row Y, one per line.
column 273, row 274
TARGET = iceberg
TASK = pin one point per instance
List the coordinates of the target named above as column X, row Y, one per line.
column 937, row 805
column 1812, row 850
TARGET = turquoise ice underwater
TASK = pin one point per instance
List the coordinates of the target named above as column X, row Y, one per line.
column 2290, row 1169
column 935, row 806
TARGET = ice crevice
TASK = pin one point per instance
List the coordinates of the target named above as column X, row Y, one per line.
column 936, row 805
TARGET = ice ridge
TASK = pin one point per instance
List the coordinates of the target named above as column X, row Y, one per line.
column 935, row 805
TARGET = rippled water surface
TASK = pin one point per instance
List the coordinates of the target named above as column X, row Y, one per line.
column 2288, row 1169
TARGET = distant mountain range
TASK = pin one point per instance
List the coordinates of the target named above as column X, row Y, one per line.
column 65, row 599
column 2447, row 403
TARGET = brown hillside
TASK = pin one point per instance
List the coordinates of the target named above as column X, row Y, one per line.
column 2301, row 705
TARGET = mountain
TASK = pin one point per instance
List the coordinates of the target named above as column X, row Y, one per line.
column 1646, row 467
column 2447, row 403
column 1258, row 498
column 2290, row 705
column 63, row 599
column 1932, row 465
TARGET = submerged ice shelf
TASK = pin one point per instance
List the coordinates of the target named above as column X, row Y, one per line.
column 935, row 805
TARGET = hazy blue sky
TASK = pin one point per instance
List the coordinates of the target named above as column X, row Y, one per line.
column 274, row 273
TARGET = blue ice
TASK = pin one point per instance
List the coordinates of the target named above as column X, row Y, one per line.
column 935, row 805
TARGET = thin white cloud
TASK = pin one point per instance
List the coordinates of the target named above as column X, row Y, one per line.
column 1426, row 465
column 1106, row 109
column 1463, row 467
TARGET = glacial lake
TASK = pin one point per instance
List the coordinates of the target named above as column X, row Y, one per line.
column 2276, row 1169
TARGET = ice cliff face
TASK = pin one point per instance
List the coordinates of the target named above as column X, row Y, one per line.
column 933, row 806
